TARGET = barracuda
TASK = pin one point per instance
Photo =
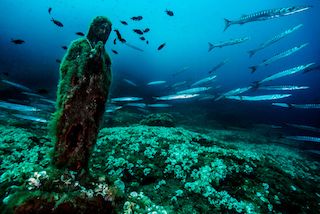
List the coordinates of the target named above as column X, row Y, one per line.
column 259, row 98
column 265, row 15
column 274, row 39
column 278, row 56
column 227, row 43
column 286, row 73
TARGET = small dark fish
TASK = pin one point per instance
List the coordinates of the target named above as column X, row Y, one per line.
column 115, row 41
column 49, row 10
column 119, row 36
column 58, row 60
column 142, row 38
column 140, row 32
column 115, row 52
column 147, row 42
column 146, row 30
column 124, row 22
column 137, row 18
column 169, row 13
column 17, row 41
column 56, row 22
column 161, row 46
column 64, row 47
column 80, row 33
column 5, row 73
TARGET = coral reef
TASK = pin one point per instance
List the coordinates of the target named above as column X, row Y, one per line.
column 85, row 77
column 145, row 169
column 159, row 119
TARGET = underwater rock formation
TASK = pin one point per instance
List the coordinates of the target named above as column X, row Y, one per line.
column 85, row 77
column 161, row 119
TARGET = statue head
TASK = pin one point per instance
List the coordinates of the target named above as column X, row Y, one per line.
column 100, row 30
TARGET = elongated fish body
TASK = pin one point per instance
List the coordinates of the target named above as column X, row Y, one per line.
column 304, row 138
column 157, row 82
column 139, row 105
column 286, row 73
column 32, row 94
column 126, row 99
column 278, row 56
column 227, row 43
column 283, row 88
column 177, row 96
column 259, row 98
column 274, row 39
column 31, row 118
column 302, row 106
column 219, row 65
column 265, row 15
column 159, row 105
column 234, row 92
column 134, row 47
column 205, row 80
column 306, row 106
column 178, row 84
column 17, row 107
column 304, row 127
column 17, row 85
column 130, row 82
column 194, row 90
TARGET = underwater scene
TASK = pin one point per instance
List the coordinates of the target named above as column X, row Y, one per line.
column 156, row 107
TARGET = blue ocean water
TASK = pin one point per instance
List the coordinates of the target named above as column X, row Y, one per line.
column 190, row 155
column 186, row 35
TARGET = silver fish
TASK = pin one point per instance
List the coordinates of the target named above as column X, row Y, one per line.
column 286, row 73
column 48, row 101
column 219, row 65
column 178, row 84
column 126, row 99
column 32, row 94
column 130, row 82
column 278, row 56
column 304, row 127
column 139, row 105
column 233, row 92
column 112, row 108
column 259, row 98
column 157, row 82
column 274, row 39
column 304, row 138
column 17, row 85
column 177, row 96
column 227, row 43
column 302, row 106
column 265, row 15
column 159, row 105
column 207, row 97
column 133, row 47
column 32, row 118
column 205, row 80
column 17, row 107
column 194, row 90
column 283, row 88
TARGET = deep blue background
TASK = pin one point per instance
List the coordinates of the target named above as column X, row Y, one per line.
column 186, row 35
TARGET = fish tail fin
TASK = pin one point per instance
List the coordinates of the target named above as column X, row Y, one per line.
column 251, row 53
column 253, row 69
column 211, row 46
column 255, row 85
column 227, row 24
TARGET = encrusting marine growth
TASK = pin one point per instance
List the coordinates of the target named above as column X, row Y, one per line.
column 85, row 77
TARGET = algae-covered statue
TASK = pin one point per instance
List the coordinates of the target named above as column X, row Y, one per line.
column 85, row 77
